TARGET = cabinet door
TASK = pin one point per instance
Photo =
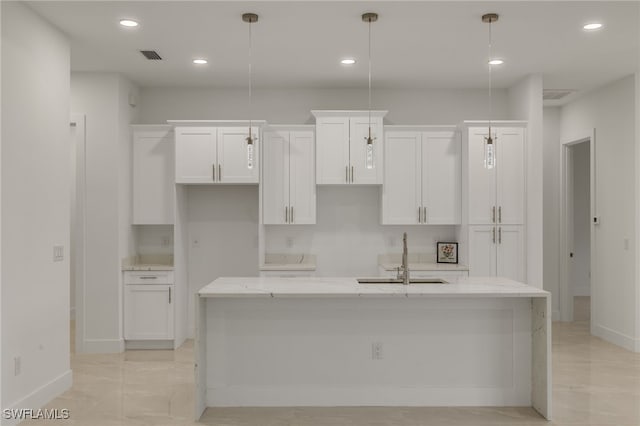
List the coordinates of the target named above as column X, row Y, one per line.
column 195, row 154
column 302, row 178
column 275, row 177
column 482, row 181
column 511, row 252
column 153, row 178
column 332, row 150
column 441, row 178
column 233, row 155
column 510, row 182
column 482, row 251
column 359, row 131
column 148, row 312
column 402, row 178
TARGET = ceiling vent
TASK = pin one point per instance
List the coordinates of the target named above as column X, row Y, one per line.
column 151, row 55
column 555, row 94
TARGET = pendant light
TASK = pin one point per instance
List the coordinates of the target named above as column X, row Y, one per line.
column 369, row 18
column 489, row 143
column 250, row 18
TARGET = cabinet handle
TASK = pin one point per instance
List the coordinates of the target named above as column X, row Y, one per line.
column 500, row 235
column 213, row 167
column 219, row 173
column 286, row 214
column 419, row 216
column 291, row 213
column 346, row 174
column 500, row 214
column 169, row 295
column 493, row 214
column 424, row 214
column 352, row 174
column 494, row 235
column 149, row 278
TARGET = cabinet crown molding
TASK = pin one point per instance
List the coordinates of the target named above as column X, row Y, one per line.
column 347, row 113
column 216, row 123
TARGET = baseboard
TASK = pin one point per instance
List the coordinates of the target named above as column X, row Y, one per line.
column 103, row 346
column 41, row 396
column 617, row 338
column 148, row 344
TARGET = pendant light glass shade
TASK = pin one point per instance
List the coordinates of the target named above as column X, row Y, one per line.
column 489, row 141
column 369, row 151
column 250, row 18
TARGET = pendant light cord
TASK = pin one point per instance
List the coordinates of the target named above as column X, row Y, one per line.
column 250, row 80
column 369, row 78
column 490, row 78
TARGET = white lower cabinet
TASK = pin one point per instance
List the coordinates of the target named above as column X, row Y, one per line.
column 497, row 251
column 148, row 309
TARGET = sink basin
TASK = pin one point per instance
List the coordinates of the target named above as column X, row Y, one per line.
column 399, row 281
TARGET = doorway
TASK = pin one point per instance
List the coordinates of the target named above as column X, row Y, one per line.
column 577, row 222
column 77, row 230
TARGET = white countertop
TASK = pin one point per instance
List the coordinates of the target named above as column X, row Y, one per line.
column 346, row 287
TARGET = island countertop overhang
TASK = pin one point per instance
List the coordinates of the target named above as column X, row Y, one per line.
column 495, row 287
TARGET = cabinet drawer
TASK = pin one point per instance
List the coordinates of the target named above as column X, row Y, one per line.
column 148, row 277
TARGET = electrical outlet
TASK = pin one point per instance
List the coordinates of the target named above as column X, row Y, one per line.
column 58, row 253
column 17, row 365
column 376, row 350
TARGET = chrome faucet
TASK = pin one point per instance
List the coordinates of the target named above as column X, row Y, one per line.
column 404, row 276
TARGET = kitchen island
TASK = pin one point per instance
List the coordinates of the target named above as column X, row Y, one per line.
column 335, row 342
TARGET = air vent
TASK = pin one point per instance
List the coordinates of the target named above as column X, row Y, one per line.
column 151, row 55
column 555, row 94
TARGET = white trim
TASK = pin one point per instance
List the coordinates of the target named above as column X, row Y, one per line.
column 627, row 342
column 565, row 297
column 79, row 122
column 42, row 395
column 348, row 113
column 103, row 346
column 217, row 123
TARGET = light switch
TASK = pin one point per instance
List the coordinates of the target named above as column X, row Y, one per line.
column 58, row 253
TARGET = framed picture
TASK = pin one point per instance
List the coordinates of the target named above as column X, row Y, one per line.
column 447, row 252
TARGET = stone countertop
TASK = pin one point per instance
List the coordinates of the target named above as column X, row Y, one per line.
column 289, row 262
column 349, row 287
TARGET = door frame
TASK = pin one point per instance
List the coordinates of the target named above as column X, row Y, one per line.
column 566, row 214
column 78, row 122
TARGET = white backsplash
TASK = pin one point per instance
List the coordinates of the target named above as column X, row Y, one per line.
column 153, row 240
column 348, row 237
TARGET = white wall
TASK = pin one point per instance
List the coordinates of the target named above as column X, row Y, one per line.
column 348, row 237
column 103, row 98
column 222, row 224
column 580, row 275
column 293, row 106
column 611, row 111
column 35, row 208
column 551, row 204
column 525, row 103
column 154, row 239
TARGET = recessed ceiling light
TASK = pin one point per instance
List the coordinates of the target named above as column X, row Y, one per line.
column 592, row 26
column 348, row 61
column 128, row 23
column 496, row 62
column 200, row 61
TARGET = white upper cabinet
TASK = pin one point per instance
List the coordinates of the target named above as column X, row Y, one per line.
column 289, row 188
column 496, row 196
column 153, row 175
column 216, row 155
column 422, row 176
column 341, row 147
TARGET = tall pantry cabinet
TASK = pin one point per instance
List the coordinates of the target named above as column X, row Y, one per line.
column 495, row 202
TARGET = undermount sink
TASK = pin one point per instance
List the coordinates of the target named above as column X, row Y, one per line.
column 399, row 281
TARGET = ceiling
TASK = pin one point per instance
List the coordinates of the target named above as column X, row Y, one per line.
column 423, row 44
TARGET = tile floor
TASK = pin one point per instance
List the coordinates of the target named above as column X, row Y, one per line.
column 594, row 383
